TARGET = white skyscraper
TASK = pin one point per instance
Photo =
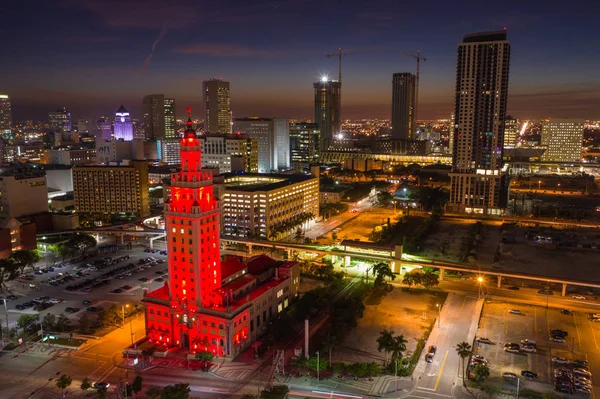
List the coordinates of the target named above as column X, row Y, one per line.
column 563, row 139
column 123, row 127
column 5, row 114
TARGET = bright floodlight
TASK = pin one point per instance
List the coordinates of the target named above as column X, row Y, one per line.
column 340, row 136
column 324, row 78
column 480, row 279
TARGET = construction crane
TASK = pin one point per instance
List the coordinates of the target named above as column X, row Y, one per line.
column 419, row 59
column 339, row 53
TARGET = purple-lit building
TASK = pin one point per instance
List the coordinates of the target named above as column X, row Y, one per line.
column 123, row 128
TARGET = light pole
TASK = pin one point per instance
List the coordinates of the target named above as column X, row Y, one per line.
column 480, row 281
column 518, row 386
column 539, row 185
column 7, row 328
column 439, row 308
column 123, row 309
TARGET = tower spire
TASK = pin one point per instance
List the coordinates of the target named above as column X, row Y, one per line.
column 190, row 132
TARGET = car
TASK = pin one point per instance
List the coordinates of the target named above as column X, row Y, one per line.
column 528, row 349
column 20, row 307
column 567, row 312
column 556, row 338
column 483, row 340
column 11, row 297
column 28, row 304
column 54, row 300
column 159, row 272
column 515, row 311
column 478, row 359
column 528, row 342
column 579, row 363
column 116, row 291
column 126, row 287
column 514, row 288
column 582, row 380
column 545, row 292
column 42, row 306
column 163, row 252
column 72, row 310
column 430, row 354
column 50, row 269
column 87, row 302
column 510, row 376
column 560, row 360
column 511, row 345
column 38, row 272
column 92, row 309
column 159, row 279
column 144, row 279
column 580, row 297
column 40, row 299
column 580, row 371
column 529, row 374
column 559, row 332
column 102, row 384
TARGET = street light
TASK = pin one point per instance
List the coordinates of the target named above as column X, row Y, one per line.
column 480, row 281
column 439, row 308
column 318, row 364
column 123, row 309
column 539, row 185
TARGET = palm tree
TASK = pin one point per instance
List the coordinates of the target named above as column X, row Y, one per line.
column 299, row 234
column 464, row 350
column 398, row 347
column 381, row 271
column 385, row 342
column 329, row 342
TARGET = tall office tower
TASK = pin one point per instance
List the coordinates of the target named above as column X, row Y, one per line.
column 217, row 106
column 269, row 132
column 138, row 129
column 327, row 110
column 5, row 115
column 511, row 131
column 123, row 128
column 104, row 129
column 60, row 121
column 563, row 139
column 83, row 126
column 403, row 106
column 478, row 182
column 304, row 144
column 451, row 128
column 170, row 120
column 154, row 116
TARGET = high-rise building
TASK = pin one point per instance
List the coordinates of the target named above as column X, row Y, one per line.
column 270, row 133
column 5, row 115
column 403, row 106
column 229, row 152
column 154, row 116
column 217, row 106
column 563, row 139
column 168, row 151
column 60, row 121
column 327, row 110
column 123, row 127
column 451, row 128
column 23, row 192
column 104, row 129
column 170, row 120
column 208, row 304
column 478, row 182
column 83, row 126
column 112, row 189
column 304, row 144
column 511, row 131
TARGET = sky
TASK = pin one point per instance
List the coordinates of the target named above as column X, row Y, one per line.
column 94, row 55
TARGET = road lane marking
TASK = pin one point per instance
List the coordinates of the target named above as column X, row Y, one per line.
column 463, row 305
column 594, row 335
column 441, row 371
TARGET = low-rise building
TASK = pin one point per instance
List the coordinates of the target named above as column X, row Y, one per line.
column 112, row 189
column 259, row 205
column 73, row 156
column 331, row 195
column 230, row 152
column 23, row 192
column 16, row 235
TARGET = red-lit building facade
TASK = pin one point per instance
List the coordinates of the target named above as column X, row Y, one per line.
column 206, row 304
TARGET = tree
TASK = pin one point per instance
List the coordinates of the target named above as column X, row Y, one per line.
column 86, row 384
column 49, row 322
column 176, row 391
column 385, row 342
column 275, row 392
column 136, row 386
column 153, row 392
column 205, row 356
column 63, row 251
column 24, row 259
column 412, row 278
column 85, row 324
column 481, row 372
column 28, row 322
column 63, row 383
column 334, row 236
column 63, row 323
column 317, row 363
column 82, row 243
column 429, row 279
column 384, row 198
column 8, row 272
column 381, row 271
column 464, row 351
column 329, row 342
column 148, row 353
column 398, row 347
column 299, row 235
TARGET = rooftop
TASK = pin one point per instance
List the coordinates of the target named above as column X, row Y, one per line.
column 259, row 263
column 492, row 36
column 261, row 181
column 230, row 266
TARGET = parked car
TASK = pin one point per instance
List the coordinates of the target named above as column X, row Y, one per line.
column 560, row 360
column 528, row 342
column 528, row 349
column 529, row 374
column 557, row 338
column 514, row 288
column 559, row 332
column 566, row 311
column 126, row 287
column 515, row 311
column 92, row 309
column 103, row 384
column 87, row 302
column 430, row 354
column 583, row 372
column 580, row 363
column 580, row 297
column 478, row 359
column 72, row 310
column 510, row 376
column 483, row 340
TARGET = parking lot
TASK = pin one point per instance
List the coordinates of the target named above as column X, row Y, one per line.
column 99, row 281
column 534, row 323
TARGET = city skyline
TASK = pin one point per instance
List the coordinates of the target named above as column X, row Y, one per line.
column 94, row 57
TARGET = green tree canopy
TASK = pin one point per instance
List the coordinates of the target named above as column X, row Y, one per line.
column 136, row 385
column 275, row 392
column 24, row 259
column 82, row 243
column 86, row 384
column 64, row 382
column 481, row 372
column 176, row 391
